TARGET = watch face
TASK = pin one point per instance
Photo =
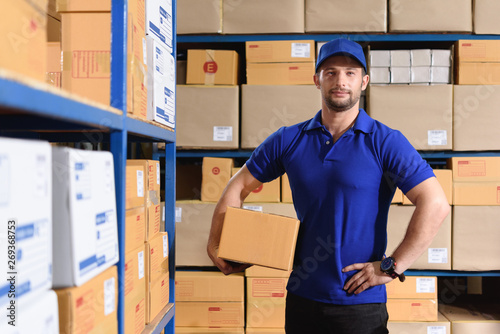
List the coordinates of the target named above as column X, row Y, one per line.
column 386, row 264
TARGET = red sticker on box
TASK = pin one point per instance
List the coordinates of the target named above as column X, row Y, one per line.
column 210, row 67
column 216, row 170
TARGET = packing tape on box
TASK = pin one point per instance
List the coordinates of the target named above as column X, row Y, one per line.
column 221, row 11
column 209, row 77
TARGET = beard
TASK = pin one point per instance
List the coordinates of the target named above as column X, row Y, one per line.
column 342, row 105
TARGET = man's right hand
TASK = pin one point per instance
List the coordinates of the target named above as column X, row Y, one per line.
column 227, row 267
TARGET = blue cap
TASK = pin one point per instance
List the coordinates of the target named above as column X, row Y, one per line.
column 341, row 47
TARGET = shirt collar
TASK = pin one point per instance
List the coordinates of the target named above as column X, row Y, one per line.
column 363, row 122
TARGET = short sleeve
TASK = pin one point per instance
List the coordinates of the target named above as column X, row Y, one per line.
column 265, row 163
column 402, row 163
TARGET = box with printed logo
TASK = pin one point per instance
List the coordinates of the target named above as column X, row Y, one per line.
column 212, row 67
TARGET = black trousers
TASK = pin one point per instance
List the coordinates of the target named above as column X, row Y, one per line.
column 304, row 316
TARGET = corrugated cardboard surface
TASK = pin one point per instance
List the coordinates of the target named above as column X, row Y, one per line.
column 152, row 179
column 199, row 16
column 267, row 192
column 158, row 297
column 341, row 16
column 441, row 326
column 209, row 330
column 135, row 314
column 135, row 189
column 210, row 314
column 212, row 67
column 207, row 117
column 412, row 309
column 282, row 209
column 261, row 16
column 258, row 238
column 192, row 230
column 216, row 173
column 258, row 271
column 83, row 5
column 485, row 20
column 209, row 286
column 477, row 73
column 472, row 318
column 153, row 219
column 286, row 191
column 265, row 303
column 279, row 51
column 23, row 37
column 475, row 122
column 477, row 51
column 476, row 232
column 475, row 169
column 265, row 330
column 430, row 15
column 53, row 29
column 395, row 105
column 156, row 258
column 135, row 228
column 413, row 287
column 53, row 75
column 280, row 73
column 438, row 254
column 135, row 290
column 266, row 108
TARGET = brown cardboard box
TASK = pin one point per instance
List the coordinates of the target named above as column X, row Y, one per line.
column 153, row 220
column 209, row 314
column 477, row 73
column 267, row 192
column 476, row 232
column 209, row 330
column 438, row 254
column 151, row 176
column 217, row 126
column 90, row 307
column 192, row 229
column 202, row 286
column 398, row 197
column 280, row 73
column 135, row 192
column 135, row 290
column 474, row 124
column 414, row 287
column 212, row 67
column 485, row 20
column 340, row 16
column 199, row 17
column 430, row 15
column 135, row 228
column 261, row 16
column 469, row 319
column 216, row 173
column 51, row 10
column 23, row 37
column 477, row 51
column 53, row 75
column 265, row 330
column 445, row 179
column 441, row 326
column 428, row 107
column 281, row 209
column 63, row 6
column 266, row 108
column 286, row 191
column 265, row 304
column 157, row 257
column 258, row 271
column 279, row 51
column 258, row 238
column 158, row 296
column 407, row 309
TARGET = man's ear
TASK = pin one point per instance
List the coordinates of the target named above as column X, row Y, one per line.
column 316, row 79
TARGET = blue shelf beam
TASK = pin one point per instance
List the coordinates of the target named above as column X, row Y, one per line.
column 214, row 154
column 150, row 131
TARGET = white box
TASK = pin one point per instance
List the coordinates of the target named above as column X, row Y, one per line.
column 161, row 83
column 26, row 199
column 380, row 75
column 441, row 58
column 380, row 58
column 38, row 315
column 420, row 57
column 400, row 75
column 159, row 21
column 400, row 58
column 421, row 74
column 440, row 74
column 84, row 208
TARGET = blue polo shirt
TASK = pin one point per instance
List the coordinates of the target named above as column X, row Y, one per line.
column 341, row 192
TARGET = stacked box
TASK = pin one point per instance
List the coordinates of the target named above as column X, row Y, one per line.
column 281, row 209
column 135, row 291
column 199, row 17
column 477, row 62
column 267, row 192
column 216, row 173
column 441, row 326
column 157, row 275
column 468, row 318
column 485, row 21
column 53, row 74
column 212, row 67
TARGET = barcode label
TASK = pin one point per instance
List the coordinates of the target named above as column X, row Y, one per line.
column 140, row 257
column 426, row 285
column 109, row 296
column 301, row 50
column 437, row 137
column 165, row 246
column 437, row 255
column 140, row 183
column 223, row 133
column 178, row 215
column 157, row 173
column 436, row 329
column 253, row 207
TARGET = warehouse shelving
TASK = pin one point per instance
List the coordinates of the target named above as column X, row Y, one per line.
column 30, row 109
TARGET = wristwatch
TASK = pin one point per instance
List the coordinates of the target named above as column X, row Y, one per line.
column 388, row 266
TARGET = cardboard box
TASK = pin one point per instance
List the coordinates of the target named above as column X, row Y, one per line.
column 441, row 57
column 209, row 314
column 474, row 123
column 400, row 58
column 135, row 291
column 134, row 186
column 160, row 83
column 379, row 58
column 420, row 74
column 263, row 17
column 281, row 209
column 26, row 209
column 380, row 75
column 395, row 105
column 400, row 75
column 266, row 300
column 193, row 221
column 430, row 15
column 445, row 179
column 24, row 37
column 158, row 297
column 217, row 127
column 339, row 16
column 438, row 254
column 209, row 286
column 266, row 108
column 258, row 238
column 477, row 51
column 199, row 17
column 53, row 74
column 265, row 330
column 414, row 287
column 280, row 73
column 258, row 271
column 477, row 73
column 84, row 209
column 216, row 173
column 398, row 197
column 209, row 330
column 135, row 228
column 420, row 57
column 286, row 191
column 280, row 51
column 212, row 67
column 267, row 192
column 440, row 75
column 475, row 232
column 485, row 21
column 135, row 315
column 441, row 326
column 39, row 315
column 159, row 22
column 157, row 258
column 90, row 307
column 477, row 62
column 412, row 309
column 468, row 318
column 64, row 6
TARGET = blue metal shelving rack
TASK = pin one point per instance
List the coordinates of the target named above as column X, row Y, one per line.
column 33, row 110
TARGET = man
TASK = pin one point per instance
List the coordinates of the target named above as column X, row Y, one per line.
column 343, row 167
